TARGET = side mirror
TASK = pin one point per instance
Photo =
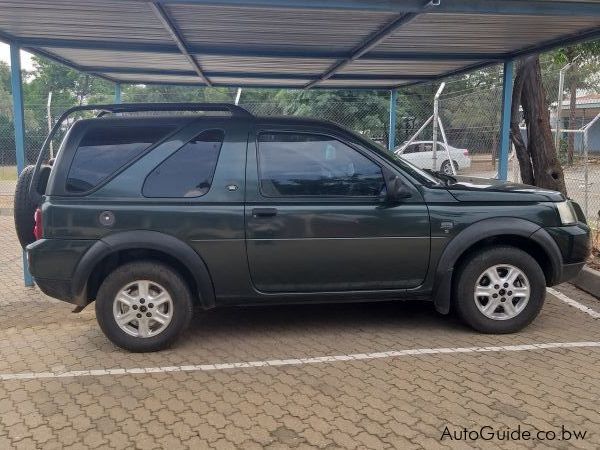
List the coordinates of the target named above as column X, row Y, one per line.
column 396, row 189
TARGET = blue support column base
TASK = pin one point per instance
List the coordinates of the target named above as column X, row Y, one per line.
column 507, row 89
column 27, row 278
column 16, row 82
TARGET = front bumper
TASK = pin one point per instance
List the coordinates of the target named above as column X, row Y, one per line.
column 570, row 271
column 575, row 245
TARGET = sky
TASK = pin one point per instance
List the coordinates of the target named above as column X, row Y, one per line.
column 25, row 57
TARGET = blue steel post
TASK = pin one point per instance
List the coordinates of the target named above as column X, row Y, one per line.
column 507, row 88
column 18, row 120
column 117, row 92
column 392, row 130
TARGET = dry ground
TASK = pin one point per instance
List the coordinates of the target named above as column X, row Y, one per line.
column 63, row 385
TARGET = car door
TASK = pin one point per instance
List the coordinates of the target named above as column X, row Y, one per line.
column 316, row 222
column 195, row 192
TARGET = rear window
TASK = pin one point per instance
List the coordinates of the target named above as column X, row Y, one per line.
column 103, row 151
column 189, row 171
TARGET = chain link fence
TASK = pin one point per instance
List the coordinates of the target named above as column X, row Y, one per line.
column 471, row 119
column 575, row 122
column 469, row 109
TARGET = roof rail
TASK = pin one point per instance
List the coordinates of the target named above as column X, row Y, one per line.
column 140, row 107
column 115, row 108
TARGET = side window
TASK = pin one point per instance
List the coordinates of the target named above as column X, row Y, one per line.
column 103, row 151
column 189, row 171
column 301, row 164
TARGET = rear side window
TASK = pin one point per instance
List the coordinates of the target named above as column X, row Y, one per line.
column 103, row 151
column 189, row 171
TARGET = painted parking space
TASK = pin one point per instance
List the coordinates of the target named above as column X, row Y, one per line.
column 383, row 375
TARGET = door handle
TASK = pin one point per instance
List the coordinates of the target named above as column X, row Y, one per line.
column 264, row 212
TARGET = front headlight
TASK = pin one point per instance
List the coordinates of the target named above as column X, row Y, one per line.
column 566, row 213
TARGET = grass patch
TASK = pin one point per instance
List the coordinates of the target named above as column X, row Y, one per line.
column 8, row 173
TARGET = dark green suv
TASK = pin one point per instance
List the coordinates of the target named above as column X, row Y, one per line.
column 154, row 215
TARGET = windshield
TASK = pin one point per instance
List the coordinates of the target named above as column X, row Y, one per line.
column 403, row 162
column 413, row 170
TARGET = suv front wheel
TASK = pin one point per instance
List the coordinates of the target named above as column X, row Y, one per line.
column 499, row 290
column 143, row 306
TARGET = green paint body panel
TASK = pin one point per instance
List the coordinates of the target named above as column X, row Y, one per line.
column 314, row 249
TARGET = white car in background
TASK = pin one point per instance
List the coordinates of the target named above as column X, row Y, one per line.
column 421, row 155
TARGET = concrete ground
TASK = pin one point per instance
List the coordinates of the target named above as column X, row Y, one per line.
column 387, row 375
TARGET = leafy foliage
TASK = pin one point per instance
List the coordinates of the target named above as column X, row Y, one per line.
column 363, row 111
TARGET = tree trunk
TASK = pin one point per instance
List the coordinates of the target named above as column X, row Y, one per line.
column 547, row 171
column 538, row 160
column 521, row 150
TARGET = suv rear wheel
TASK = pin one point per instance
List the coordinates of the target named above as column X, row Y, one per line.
column 499, row 290
column 143, row 306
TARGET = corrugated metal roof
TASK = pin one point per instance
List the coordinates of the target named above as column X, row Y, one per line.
column 292, row 43
column 166, row 79
column 495, row 33
column 376, row 84
column 82, row 19
column 105, row 58
column 286, row 28
column 258, row 64
column 404, row 67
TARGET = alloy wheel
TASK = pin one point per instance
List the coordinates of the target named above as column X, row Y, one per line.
column 143, row 308
column 502, row 292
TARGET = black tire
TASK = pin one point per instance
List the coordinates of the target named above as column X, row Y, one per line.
column 155, row 272
column 445, row 167
column 468, row 276
column 24, row 208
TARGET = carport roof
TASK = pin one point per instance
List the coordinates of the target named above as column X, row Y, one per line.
column 292, row 43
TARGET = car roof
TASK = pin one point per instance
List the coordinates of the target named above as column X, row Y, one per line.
column 186, row 117
column 428, row 142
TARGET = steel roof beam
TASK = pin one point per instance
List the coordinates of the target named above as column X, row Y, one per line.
column 124, row 46
column 264, row 86
column 65, row 62
column 10, row 39
column 254, row 75
column 581, row 36
column 169, row 24
column 371, row 42
column 517, row 7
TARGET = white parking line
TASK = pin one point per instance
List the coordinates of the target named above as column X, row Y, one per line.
column 569, row 301
column 293, row 362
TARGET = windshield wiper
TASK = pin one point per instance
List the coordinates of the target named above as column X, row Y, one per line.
column 441, row 176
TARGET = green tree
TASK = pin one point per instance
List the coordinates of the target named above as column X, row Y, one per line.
column 4, row 76
column 363, row 111
column 5, row 88
column 140, row 93
column 69, row 87
column 7, row 141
